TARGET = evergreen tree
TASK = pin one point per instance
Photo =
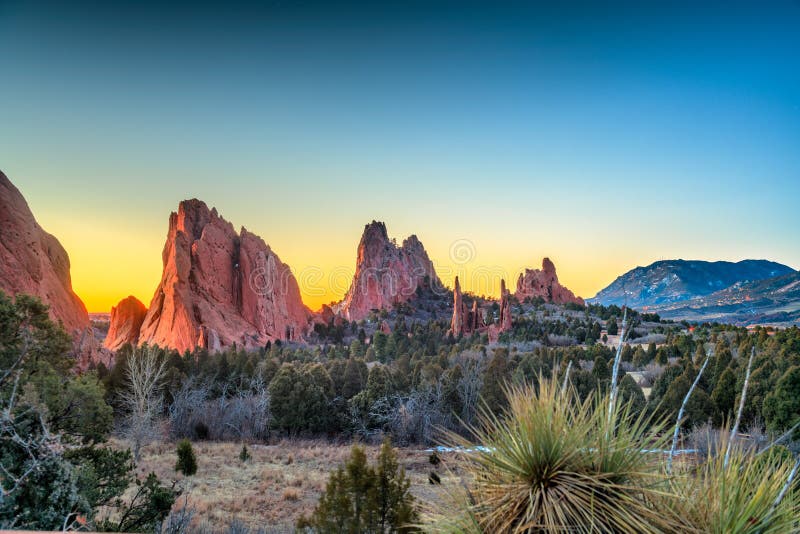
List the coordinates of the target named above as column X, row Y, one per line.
column 187, row 463
column 360, row 498
column 782, row 404
column 724, row 397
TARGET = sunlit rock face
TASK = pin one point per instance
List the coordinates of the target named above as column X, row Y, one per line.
column 220, row 288
column 126, row 320
column 385, row 273
column 544, row 283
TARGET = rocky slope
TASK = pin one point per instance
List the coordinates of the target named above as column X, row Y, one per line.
column 385, row 273
column 34, row 262
column 124, row 323
column 219, row 287
column 671, row 281
column 773, row 301
column 544, row 283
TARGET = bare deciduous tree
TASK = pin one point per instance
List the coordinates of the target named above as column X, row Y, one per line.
column 142, row 399
column 244, row 415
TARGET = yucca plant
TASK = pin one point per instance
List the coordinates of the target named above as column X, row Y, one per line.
column 551, row 463
column 751, row 494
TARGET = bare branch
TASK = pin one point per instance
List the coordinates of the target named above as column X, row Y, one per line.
column 735, row 429
column 681, row 411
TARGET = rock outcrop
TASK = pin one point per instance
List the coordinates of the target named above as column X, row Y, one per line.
column 544, row 283
column 385, row 273
column 126, row 320
column 220, row 288
column 459, row 311
column 465, row 321
column 34, row 262
column 504, row 321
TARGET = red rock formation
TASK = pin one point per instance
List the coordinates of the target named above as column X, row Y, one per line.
column 126, row 320
column 544, row 283
column 34, row 262
column 504, row 323
column 385, row 273
column 465, row 322
column 219, row 287
column 459, row 311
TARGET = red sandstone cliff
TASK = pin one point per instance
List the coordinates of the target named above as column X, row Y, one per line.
column 34, row 262
column 219, row 287
column 385, row 273
column 544, row 283
column 126, row 320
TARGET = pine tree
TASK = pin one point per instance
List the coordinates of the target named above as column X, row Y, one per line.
column 361, row 498
column 187, row 463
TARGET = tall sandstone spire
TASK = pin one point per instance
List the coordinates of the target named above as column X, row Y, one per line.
column 459, row 311
column 385, row 273
column 220, row 288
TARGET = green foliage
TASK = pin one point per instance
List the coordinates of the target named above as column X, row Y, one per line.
column 187, row 463
column 554, row 463
column 495, row 379
column 300, row 399
column 244, row 454
column 724, row 397
column 49, row 497
column 149, row 506
column 103, row 473
column 26, row 331
column 612, row 327
column 75, row 405
column 360, row 498
column 782, row 405
column 742, row 497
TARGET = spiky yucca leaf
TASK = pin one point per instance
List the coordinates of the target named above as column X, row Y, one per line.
column 740, row 497
column 553, row 463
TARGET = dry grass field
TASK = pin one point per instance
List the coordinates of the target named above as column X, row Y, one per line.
column 276, row 486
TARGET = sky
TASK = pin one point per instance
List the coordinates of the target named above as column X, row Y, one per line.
column 603, row 135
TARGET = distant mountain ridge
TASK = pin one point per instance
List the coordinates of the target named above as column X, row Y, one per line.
column 667, row 282
column 773, row 301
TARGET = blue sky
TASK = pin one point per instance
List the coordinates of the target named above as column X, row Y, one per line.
column 603, row 135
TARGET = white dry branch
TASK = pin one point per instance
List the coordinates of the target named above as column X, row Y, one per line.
column 735, row 429
column 780, row 439
column 681, row 412
column 615, row 371
column 566, row 378
column 142, row 399
column 785, row 488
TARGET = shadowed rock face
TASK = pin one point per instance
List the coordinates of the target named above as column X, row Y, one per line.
column 34, row 262
column 219, row 288
column 544, row 283
column 126, row 320
column 385, row 273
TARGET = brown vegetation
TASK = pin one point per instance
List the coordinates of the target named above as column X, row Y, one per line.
column 280, row 483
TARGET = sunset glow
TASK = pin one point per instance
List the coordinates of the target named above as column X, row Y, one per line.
column 525, row 132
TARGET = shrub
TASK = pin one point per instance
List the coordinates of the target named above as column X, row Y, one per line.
column 187, row 463
column 362, row 498
column 244, row 455
column 741, row 497
column 557, row 464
